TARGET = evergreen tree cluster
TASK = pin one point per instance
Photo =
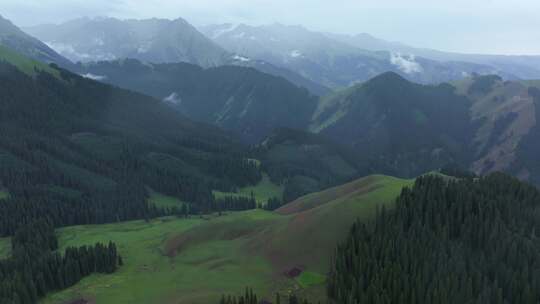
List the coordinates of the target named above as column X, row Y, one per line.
column 249, row 297
column 35, row 268
column 235, row 203
column 463, row 241
column 273, row 203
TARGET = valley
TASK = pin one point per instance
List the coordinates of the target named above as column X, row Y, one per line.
column 197, row 260
column 157, row 161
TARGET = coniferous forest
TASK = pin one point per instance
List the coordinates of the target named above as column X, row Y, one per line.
column 447, row 241
column 249, row 297
column 36, row 267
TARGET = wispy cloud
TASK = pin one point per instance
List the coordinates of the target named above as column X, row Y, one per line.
column 406, row 63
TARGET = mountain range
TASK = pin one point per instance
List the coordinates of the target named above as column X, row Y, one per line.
column 340, row 60
column 154, row 40
column 314, row 60
column 521, row 66
column 484, row 123
column 400, row 127
column 151, row 40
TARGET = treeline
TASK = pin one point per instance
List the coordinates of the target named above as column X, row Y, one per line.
column 241, row 203
column 456, row 171
column 464, row 241
column 235, row 203
column 273, row 203
column 249, row 297
column 34, row 268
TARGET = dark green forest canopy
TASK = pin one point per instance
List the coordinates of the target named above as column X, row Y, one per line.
column 35, row 268
column 463, row 241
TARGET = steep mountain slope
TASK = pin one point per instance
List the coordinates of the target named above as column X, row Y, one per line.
column 68, row 142
column 506, row 113
column 15, row 39
column 240, row 99
column 482, row 122
column 152, row 40
column 329, row 61
column 410, row 128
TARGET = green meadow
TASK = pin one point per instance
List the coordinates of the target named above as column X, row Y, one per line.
column 196, row 260
column 28, row 66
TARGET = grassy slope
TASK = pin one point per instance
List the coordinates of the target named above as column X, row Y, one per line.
column 3, row 194
column 327, row 102
column 263, row 191
column 317, row 221
column 202, row 271
column 196, row 260
column 26, row 65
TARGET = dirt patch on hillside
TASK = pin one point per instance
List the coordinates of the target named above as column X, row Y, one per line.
column 293, row 272
column 176, row 244
column 227, row 231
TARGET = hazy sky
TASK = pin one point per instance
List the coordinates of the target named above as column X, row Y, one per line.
column 481, row 26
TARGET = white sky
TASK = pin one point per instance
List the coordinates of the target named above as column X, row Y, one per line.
column 472, row 26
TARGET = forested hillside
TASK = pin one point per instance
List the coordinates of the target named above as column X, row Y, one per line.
column 447, row 241
column 76, row 151
column 34, row 268
column 305, row 162
column 409, row 128
column 248, row 102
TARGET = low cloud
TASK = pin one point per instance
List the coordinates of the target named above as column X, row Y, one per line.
column 174, row 98
column 406, row 64
column 94, row 77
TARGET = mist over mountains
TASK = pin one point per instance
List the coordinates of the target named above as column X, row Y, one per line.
column 249, row 102
column 307, row 58
column 360, row 56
